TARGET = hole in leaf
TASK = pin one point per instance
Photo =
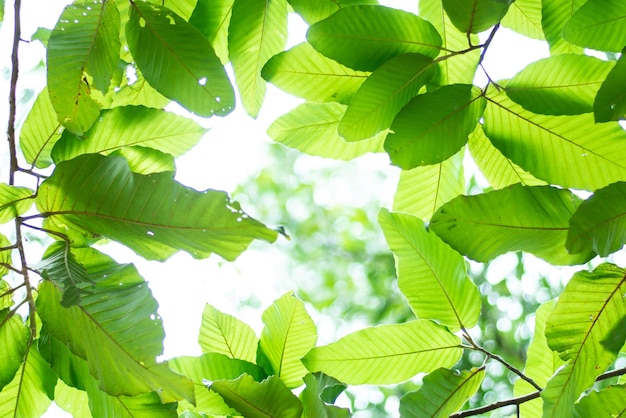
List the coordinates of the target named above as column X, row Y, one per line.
column 202, row 81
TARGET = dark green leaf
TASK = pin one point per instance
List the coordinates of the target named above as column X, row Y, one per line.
column 383, row 94
column 153, row 215
column 225, row 334
column 364, row 37
column 473, row 16
column 386, row 354
column 524, row 16
column 560, row 85
column 517, row 218
column 599, row 223
column 442, row 393
column 258, row 31
column 14, row 201
column 41, row 130
column 554, row 15
column 434, row 126
column 178, row 61
column 270, row 398
column 14, row 337
column 610, row 102
column 83, row 52
column 609, row 402
column 211, row 18
column 316, row 10
column 598, row 24
column 320, row 389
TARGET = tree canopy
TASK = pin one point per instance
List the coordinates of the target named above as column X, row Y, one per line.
column 127, row 82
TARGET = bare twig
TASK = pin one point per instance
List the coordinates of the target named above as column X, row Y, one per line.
column 13, row 94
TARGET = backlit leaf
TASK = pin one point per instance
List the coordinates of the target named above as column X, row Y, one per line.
column 431, row 275
column 598, row 24
column 609, row 402
column 5, row 257
column 434, row 126
column 14, row 337
column 178, row 61
column 610, row 102
column 41, row 130
column 386, row 354
column 142, row 160
column 137, row 92
column 211, row 18
column 153, row 215
column 554, row 15
column 364, row 37
column 320, row 389
column 474, row 16
column 225, row 334
column 524, row 16
column 14, row 201
column 72, row 400
column 517, row 218
column 316, row 10
column 383, row 94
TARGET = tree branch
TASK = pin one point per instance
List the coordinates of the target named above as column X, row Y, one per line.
column 13, row 94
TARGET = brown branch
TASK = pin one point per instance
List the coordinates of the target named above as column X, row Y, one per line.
column 13, row 94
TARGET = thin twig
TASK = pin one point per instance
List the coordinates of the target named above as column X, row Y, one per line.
column 13, row 94
column 485, row 46
column 10, row 267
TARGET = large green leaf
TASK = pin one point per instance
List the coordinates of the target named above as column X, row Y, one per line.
column 517, row 218
column 442, row 393
column 14, row 336
column 41, row 130
column 211, row 18
column 383, row 94
column 14, row 201
column 288, row 334
column 434, row 126
column 312, row 129
column 571, row 151
column 320, row 389
column 554, row 15
column 610, row 102
column 225, row 334
column 258, row 31
column 364, row 37
column 178, row 61
column 459, row 68
column 609, row 402
column 598, row 24
column 587, row 329
column 431, row 275
column 304, row 72
column 560, row 85
column 30, row 392
column 316, row 10
column 599, row 223
column 270, row 398
column 83, row 52
column 422, row 190
column 473, row 16
column 541, row 363
column 115, row 328
column 93, row 195
column 524, row 16
column 497, row 169
column 386, row 354
column 72, row 400
column 132, row 125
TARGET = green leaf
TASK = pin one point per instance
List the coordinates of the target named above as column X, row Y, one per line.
column 258, row 31
column 41, row 130
column 314, row 11
column 364, row 37
column 14, row 336
column 270, row 398
column 541, row 363
column 312, row 129
column 459, row 68
column 30, row 392
column 14, row 201
column 559, row 85
column 517, row 218
column 599, row 223
column 610, row 102
column 72, row 400
column 212, row 18
column 153, row 215
column 142, row 160
column 431, row 275
column 225, row 334
column 386, row 354
column 554, row 15
column 588, row 330
column 288, row 334
column 598, row 24
column 442, row 393
column 497, row 169
column 304, row 72
column 5, row 258
column 320, row 388
column 115, row 328
column 83, row 51
column 434, row 126
column 474, row 16
column 571, row 151
column 1, row 10
column 383, row 94
column 524, row 16
column 609, row 402
column 178, row 61
column 128, row 126
column 137, row 92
